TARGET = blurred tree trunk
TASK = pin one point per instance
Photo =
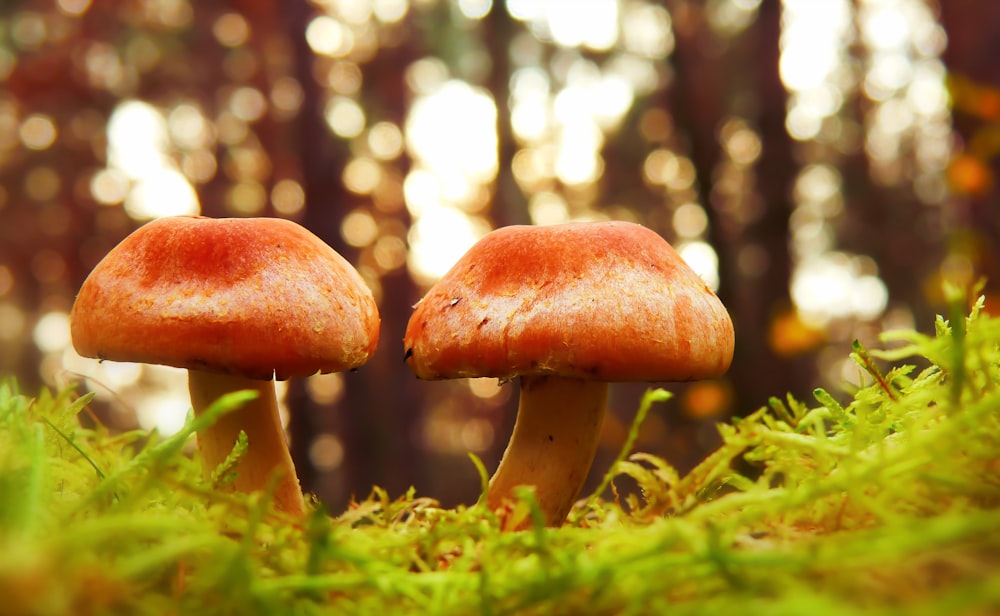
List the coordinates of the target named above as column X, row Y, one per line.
column 714, row 81
column 973, row 28
column 377, row 415
column 509, row 206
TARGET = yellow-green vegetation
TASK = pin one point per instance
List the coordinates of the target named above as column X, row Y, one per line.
column 886, row 502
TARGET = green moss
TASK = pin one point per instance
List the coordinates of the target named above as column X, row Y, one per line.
column 884, row 503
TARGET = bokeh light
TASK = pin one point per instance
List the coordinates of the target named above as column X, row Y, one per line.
column 139, row 144
column 451, row 136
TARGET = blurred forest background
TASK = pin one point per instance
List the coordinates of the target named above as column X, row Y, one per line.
column 823, row 164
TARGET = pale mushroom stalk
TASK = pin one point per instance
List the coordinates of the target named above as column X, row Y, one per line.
column 553, row 444
column 268, row 452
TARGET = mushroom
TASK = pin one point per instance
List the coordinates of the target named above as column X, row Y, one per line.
column 566, row 309
column 238, row 303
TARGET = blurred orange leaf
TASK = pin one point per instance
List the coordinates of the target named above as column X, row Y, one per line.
column 789, row 335
column 970, row 175
column 706, row 399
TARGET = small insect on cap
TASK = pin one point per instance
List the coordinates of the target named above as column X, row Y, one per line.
column 256, row 297
column 607, row 301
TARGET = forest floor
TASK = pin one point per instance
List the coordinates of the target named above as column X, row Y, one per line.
column 885, row 503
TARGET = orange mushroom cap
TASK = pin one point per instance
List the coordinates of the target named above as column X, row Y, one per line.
column 256, row 297
column 607, row 301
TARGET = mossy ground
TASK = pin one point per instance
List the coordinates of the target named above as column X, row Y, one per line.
column 886, row 503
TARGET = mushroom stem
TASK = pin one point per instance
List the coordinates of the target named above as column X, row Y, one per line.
column 266, row 446
column 553, row 445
